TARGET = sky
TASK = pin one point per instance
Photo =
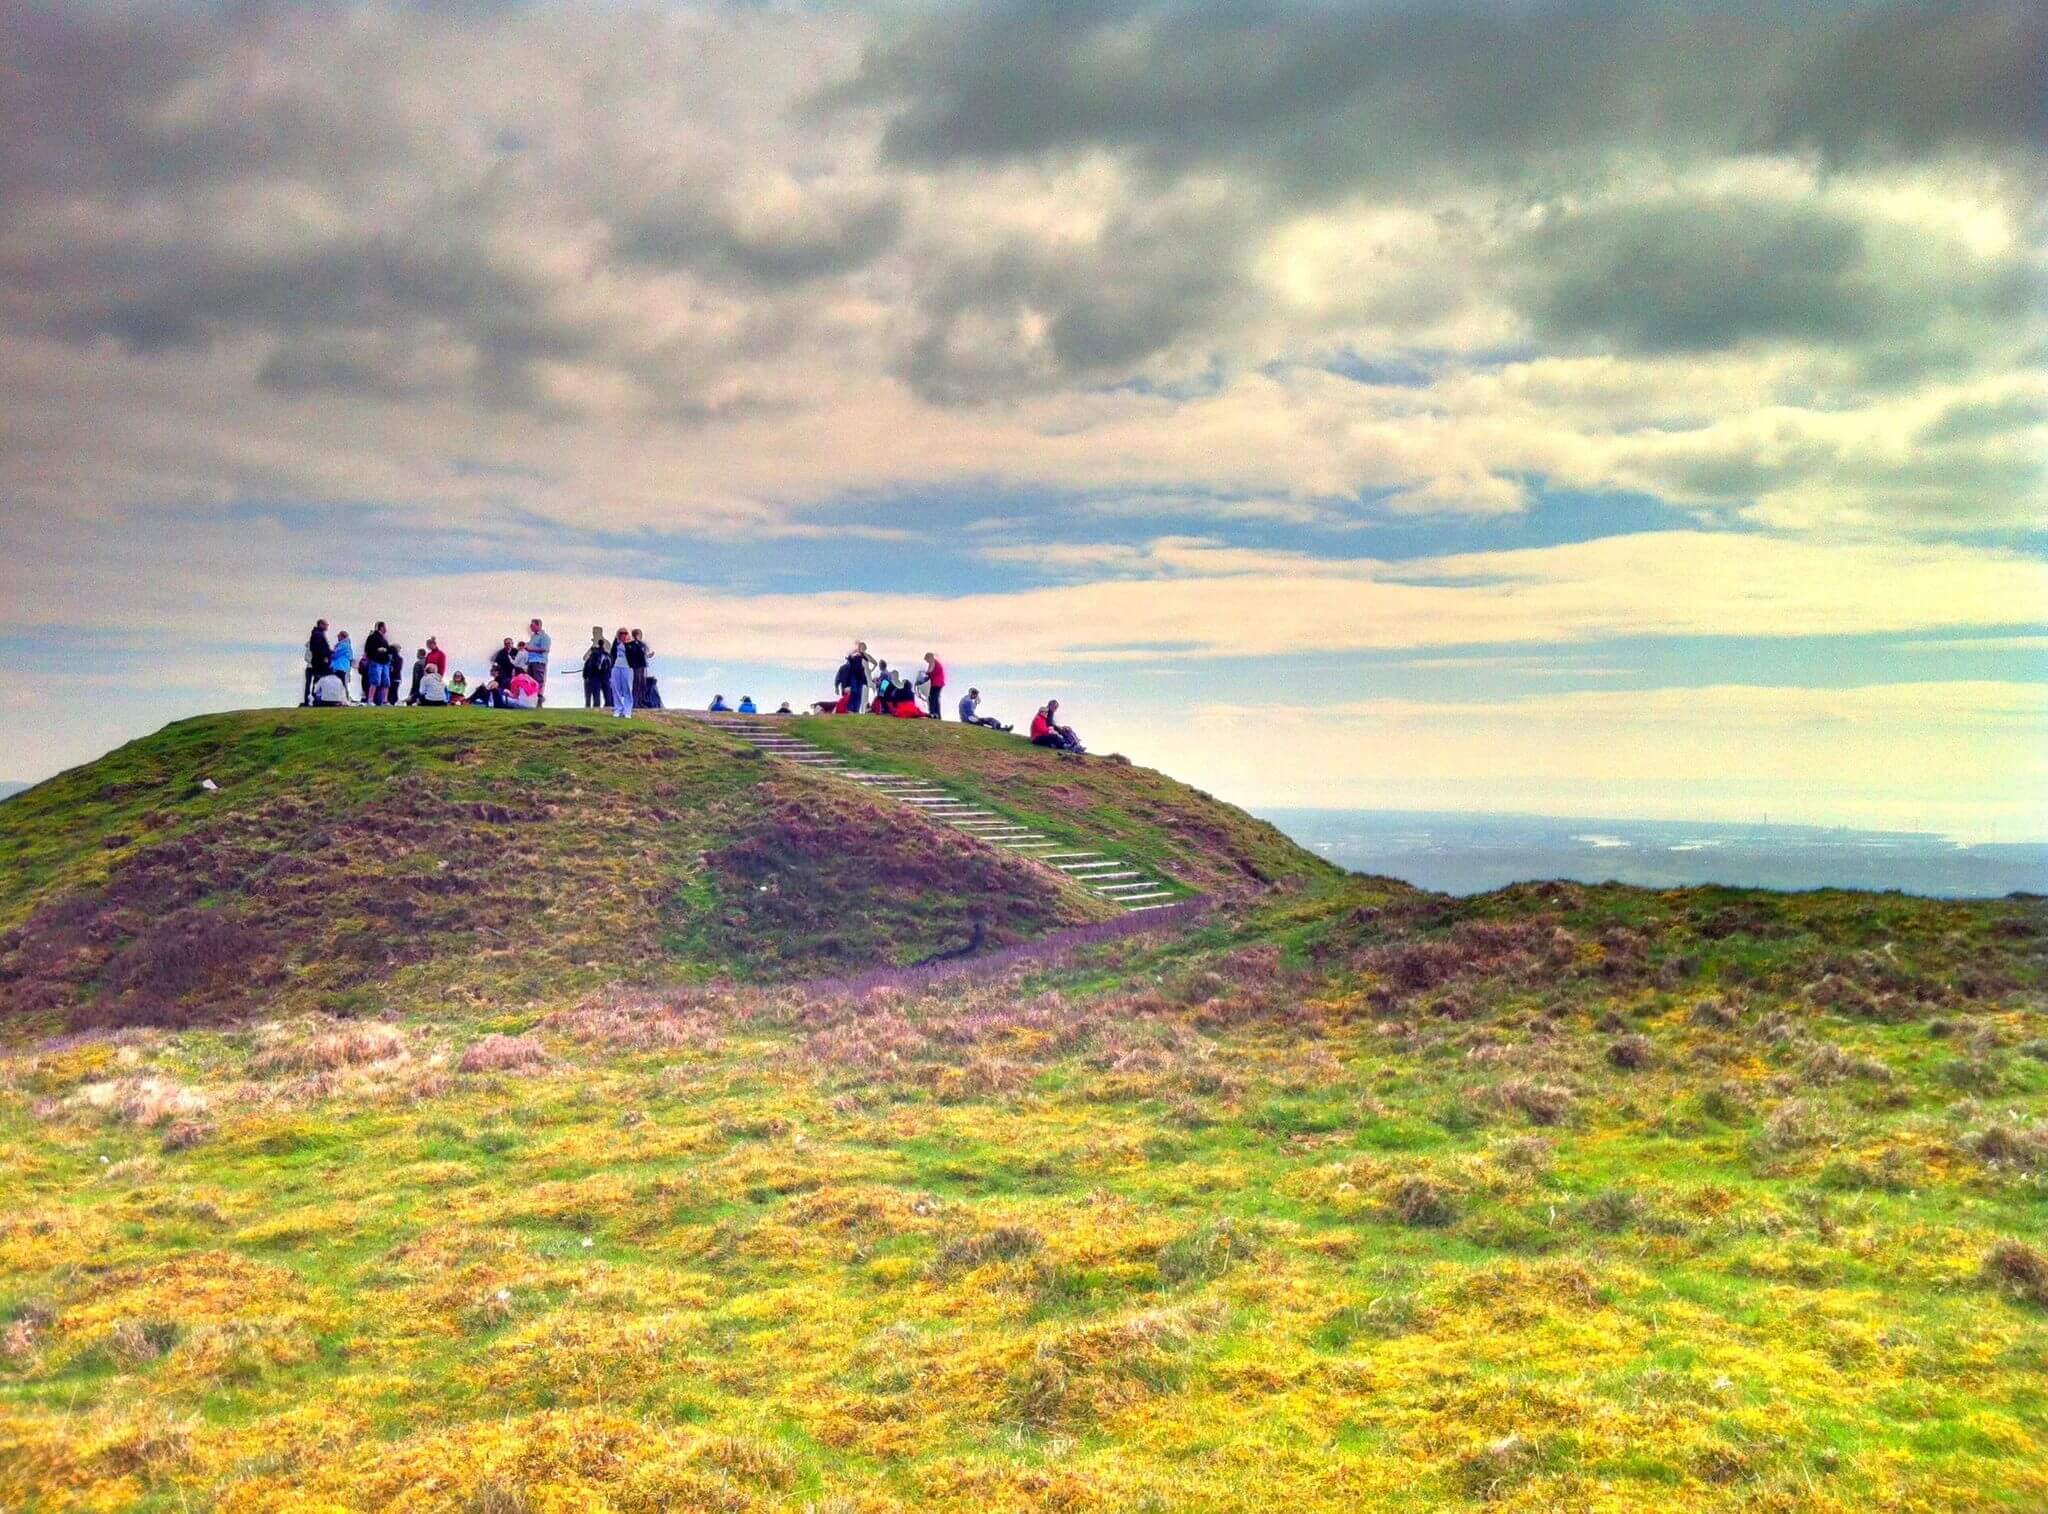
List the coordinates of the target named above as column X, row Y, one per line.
column 1581, row 408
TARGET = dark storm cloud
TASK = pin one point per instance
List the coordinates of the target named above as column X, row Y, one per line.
column 827, row 239
column 1694, row 276
column 1914, row 79
column 1700, row 275
column 1323, row 98
column 193, row 293
column 125, row 102
column 1031, row 316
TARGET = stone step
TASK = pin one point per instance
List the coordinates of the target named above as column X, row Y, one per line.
column 1094, row 878
column 1136, row 908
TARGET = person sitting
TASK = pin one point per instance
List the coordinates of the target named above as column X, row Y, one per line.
column 718, row 706
column 523, row 692
column 747, row 706
column 329, row 691
column 489, row 695
column 1046, row 730
column 458, row 689
column 430, row 689
column 784, row 709
column 907, row 707
column 970, row 713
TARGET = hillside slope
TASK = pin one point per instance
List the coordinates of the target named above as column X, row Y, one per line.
column 1134, row 812
column 1564, row 1198
column 350, row 860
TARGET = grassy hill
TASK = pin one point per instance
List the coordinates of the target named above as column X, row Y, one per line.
column 1143, row 815
column 1344, row 1197
column 352, row 861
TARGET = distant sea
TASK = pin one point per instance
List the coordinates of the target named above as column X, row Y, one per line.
column 1469, row 854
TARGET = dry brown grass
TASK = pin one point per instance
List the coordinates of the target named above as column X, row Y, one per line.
column 147, row 1101
column 499, row 1053
column 2019, row 1271
column 307, row 1047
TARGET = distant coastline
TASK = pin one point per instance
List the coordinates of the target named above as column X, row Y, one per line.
column 1467, row 854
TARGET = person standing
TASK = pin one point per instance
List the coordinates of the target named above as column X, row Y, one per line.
column 504, row 662
column 851, row 681
column 376, row 665
column 637, row 655
column 620, row 673
column 319, row 658
column 342, row 658
column 595, row 663
column 538, row 645
column 436, row 658
column 935, row 680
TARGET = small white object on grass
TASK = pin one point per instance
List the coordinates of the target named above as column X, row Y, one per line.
column 209, row 785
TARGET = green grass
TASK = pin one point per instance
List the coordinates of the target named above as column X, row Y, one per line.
column 1196, row 841
column 1341, row 1200
column 355, row 861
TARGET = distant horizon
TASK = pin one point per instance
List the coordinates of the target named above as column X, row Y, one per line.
column 1268, row 810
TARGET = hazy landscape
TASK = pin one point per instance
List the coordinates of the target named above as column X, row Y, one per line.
column 1468, row 854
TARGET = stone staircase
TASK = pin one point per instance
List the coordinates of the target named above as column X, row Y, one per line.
column 1122, row 883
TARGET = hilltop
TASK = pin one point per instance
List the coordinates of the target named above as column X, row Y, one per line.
column 1339, row 1196
column 349, row 860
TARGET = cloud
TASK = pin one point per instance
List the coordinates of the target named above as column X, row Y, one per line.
column 1320, row 98
column 779, row 234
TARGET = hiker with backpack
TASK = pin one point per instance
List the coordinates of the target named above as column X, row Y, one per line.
column 1046, row 731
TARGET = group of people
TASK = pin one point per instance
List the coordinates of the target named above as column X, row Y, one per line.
column 615, row 673
column 517, row 680
column 616, row 678
column 917, row 697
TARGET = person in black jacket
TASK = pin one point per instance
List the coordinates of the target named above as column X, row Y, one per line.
column 637, row 653
column 319, row 658
column 596, row 663
column 377, row 666
column 505, row 662
column 852, row 681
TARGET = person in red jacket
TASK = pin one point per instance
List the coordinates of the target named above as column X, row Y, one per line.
column 934, row 680
column 1046, row 730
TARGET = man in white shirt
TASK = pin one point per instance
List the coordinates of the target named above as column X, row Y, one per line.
column 329, row 692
